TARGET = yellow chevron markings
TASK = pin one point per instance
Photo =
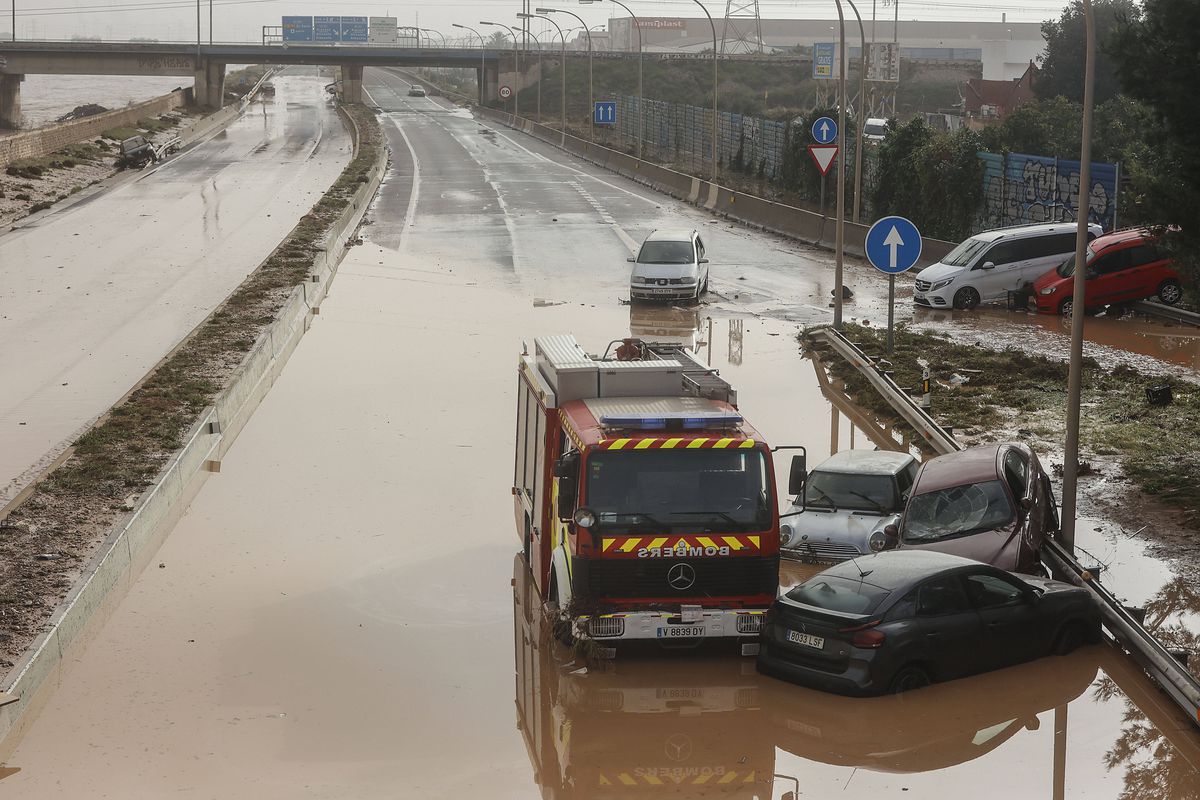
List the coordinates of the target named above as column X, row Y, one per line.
column 629, row 544
column 695, row 443
column 644, row 444
column 706, row 541
column 657, row 542
column 618, row 444
column 608, row 543
column 754, row 540
column 670, row 444
column 723, row 443
column 747, row 444
column 734, row 543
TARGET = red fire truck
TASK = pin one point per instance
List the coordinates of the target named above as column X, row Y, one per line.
column 645, row 504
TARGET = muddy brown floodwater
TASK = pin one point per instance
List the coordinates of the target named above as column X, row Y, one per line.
column 341, row 613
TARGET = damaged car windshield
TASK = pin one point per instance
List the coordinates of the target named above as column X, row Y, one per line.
column 678, row 490
column 957, row 511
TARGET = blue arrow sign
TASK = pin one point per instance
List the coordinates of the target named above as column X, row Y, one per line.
column 824, row 131
column 893, row 245
column 605, row 112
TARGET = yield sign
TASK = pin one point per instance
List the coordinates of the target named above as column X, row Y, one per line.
column 823, row 154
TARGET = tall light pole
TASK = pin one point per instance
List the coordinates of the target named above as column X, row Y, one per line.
column 638, row 25
column 1075, row 370
column 562, row 71
column 538, row 42
column 426, row 30
column 516, row 67
column 482, row 53
column 524, row 45
column 712, row 25
column 591, row 92
column 840, row 238
column 862, row 112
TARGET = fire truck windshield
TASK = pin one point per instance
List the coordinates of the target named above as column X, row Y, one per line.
column 682, row 491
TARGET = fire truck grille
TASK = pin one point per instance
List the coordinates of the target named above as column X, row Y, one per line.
column 691, row 578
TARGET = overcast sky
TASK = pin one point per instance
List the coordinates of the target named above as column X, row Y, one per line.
column 242, row 20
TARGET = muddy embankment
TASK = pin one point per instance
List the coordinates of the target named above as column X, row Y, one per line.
column 47, row 542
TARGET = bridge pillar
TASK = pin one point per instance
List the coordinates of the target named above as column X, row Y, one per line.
column 10, row 101
column 352, row 75
column 489, row 86
column 209, row 85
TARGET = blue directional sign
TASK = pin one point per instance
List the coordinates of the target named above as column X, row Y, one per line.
column 327, row 29
column 605, row 112
column 297, row 29
column 893, row 245
column 824, row 131
column 354, row 29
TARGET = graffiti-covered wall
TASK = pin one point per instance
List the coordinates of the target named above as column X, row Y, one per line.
column 1023, row 189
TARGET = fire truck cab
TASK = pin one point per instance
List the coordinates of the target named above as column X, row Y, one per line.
column 645, row 503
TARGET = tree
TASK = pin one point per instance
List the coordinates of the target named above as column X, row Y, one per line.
column 498, row 39
column 1156, row 56
column 1062, row 62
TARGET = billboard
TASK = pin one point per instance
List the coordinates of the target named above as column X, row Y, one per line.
column 824, row 60
column 354, row 29
column 382, row 30
column 883, row 62
column 297, row 29
column 662, row 23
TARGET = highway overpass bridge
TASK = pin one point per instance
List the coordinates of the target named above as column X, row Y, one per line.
column 206, row 63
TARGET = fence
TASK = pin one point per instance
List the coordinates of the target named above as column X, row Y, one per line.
column 1022, row 189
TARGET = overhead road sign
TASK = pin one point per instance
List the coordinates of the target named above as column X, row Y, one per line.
column 605, row 112
column 824, row 131
column 327, row 29
column 824, row 155
column 893, row 245
column 354, row 29
column 825, row 60
column 297, row 29
column 383, row 30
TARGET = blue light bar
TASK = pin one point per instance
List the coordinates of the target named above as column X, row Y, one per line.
column 690, row 422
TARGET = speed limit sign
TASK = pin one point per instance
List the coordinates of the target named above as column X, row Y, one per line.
column 505, row 92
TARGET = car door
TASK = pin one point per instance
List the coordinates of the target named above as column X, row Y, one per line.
column 949, row 628
column 1142, row 272
column 1107, row 278
column 1013, row 631
column 1045, row 253
column 701, row 267
column 992, row 282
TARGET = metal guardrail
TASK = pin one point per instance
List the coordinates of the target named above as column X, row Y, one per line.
column 1171, row 676
column 1152, row 309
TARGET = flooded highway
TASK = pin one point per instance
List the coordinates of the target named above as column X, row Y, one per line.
column 94, row 294
column 340, row 613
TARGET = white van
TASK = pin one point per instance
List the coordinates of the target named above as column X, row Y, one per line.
column 986, row 267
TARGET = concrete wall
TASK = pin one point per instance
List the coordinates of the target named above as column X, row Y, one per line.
column 43, row 141
column 133, row 540
column 786, row 220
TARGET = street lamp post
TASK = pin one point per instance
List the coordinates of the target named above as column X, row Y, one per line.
column 637, row 25
column 516, row 67
column 862, row 112
column 431, row 30
column 714, row 116
column 562, row 70
column 482, row 53
column 522, row 30
column 591, row 92
column 840, row 238
column 1075, row 370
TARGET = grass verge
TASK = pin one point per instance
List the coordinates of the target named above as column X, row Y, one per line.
column 987, row 394
column 49, row 537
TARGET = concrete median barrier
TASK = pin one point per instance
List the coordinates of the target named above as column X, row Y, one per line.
column 134, row 539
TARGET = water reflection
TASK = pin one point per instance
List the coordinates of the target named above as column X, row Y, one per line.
column 655, row 323
column 700, row 726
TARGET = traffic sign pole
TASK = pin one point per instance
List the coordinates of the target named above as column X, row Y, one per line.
column 893, row 245
column 891, row 335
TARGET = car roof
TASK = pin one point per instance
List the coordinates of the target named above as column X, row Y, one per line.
column 866, row 462
column 898, row 569
column 671, row 235
column 972, row 465
column 1021, row 231
column 1121, row 237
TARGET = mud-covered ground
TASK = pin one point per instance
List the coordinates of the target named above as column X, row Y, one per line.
column 46, row 541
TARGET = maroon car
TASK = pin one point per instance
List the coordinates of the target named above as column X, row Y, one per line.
column 991, row 503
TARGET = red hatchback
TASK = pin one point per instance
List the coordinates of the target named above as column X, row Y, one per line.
column 1122, row 266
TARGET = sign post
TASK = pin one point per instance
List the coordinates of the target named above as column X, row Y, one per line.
column 893, row 246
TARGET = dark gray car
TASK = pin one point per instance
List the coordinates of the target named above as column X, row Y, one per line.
column 902, row 619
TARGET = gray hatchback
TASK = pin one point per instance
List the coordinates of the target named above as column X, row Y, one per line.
column 901, row 620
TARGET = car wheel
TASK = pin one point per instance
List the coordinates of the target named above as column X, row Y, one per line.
column 966, row 298
column 1070, row 639
column 1066, row 307
column 909, row 678
column 1170, row 292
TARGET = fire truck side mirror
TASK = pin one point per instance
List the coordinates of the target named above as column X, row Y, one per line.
column 799, row 474
column 566, row 469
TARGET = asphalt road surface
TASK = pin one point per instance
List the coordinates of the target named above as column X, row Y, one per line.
column 340, row 613
column 91, row 297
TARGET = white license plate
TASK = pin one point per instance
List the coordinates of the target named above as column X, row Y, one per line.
column 806, row 639
column 664, row 291
column 918, row 295
column 680, row 631
column 679, row 694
